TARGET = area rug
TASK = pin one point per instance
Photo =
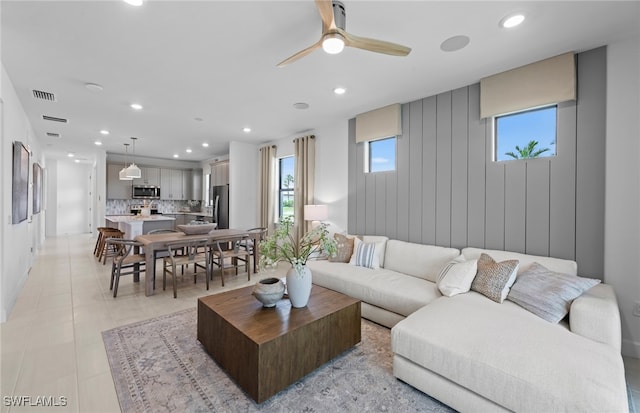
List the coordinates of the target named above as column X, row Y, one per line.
column 158, row 365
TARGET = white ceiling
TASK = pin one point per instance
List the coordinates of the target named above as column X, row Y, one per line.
column 216, row 60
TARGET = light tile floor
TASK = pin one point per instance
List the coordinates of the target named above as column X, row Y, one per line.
column 52, row 343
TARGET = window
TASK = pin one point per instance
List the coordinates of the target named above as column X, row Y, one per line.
column 207, row 189
column 381, row 155
column 526, row 135
column 285, row 186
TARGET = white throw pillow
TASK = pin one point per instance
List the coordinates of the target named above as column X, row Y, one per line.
column 365, row 254
column 456, row 277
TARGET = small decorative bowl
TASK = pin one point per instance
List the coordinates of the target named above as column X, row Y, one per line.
column 269, row 291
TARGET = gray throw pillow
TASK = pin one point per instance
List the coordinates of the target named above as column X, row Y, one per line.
column 494, row 279
column 546, row 293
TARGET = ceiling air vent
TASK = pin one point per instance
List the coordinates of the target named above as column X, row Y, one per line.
column 54, row 119
column 53, row 135
column 39, row 94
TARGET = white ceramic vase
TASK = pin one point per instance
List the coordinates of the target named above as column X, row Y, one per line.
column 299, row 286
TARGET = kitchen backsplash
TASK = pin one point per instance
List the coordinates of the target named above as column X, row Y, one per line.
column 123, row 206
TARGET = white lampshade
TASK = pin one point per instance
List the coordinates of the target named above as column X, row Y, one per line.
column 316, row 212
column 123, row 175
column 133, row 171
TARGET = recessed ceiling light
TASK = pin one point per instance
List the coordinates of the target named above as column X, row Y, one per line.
column 136, row 106
column 134, row 2
column 246, row 129
column 94, row 87
column 454, row 43
column 70, row 155
column 77, row 161
column 301, row 105
column 104, row 132
column 98, row 143
column 175, row 155
column 188, row 150
column 205, row 145
column 512, row 20
column 339, row 91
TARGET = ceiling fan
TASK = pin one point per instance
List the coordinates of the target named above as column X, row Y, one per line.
column 334, row 37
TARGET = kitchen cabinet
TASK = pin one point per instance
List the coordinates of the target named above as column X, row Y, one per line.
column 175, row 184
column 187, row 185
column 149, row 176
column 196, row 185
column 220, row 173
column 117, row 189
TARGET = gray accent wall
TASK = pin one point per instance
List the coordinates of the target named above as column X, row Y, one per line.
column 447, row 191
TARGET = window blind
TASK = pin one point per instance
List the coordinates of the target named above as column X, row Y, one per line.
column 379, row 123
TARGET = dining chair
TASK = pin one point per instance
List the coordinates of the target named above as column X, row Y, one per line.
column 255, row 236
column 162, row 254
column 182, row 253
column 125, row 261
column 225, row 258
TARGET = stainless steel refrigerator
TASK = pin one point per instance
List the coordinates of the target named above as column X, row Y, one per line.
column 220, row 199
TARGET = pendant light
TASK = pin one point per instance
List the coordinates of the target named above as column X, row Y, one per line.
column 133, row 171
column 123, row 171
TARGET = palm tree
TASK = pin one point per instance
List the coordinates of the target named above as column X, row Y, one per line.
column 528, row 151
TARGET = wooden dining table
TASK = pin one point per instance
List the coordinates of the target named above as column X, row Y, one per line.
column 152, row 243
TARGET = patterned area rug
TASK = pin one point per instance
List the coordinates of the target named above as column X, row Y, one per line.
column 158, row 365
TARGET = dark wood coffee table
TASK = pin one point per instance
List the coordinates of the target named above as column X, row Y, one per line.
column 266, row 349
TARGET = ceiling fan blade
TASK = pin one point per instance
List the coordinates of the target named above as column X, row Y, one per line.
column 300, row 54
column 325, row 8
column 373, row 45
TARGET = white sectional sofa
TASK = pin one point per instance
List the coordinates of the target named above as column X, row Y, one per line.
column 475, row 354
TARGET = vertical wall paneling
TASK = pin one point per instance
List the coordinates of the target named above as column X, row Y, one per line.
column 562, row 186
column 402, row 172
column 429, row 162
column 353, row 193
column 443, row 169
column 415, row 170
column 476, row 192
column 538, row 205
column 515, row 205
column 590, row 160
column 448, row 191
column 459, row 163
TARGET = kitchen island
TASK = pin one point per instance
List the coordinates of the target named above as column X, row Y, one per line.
column 134, row 225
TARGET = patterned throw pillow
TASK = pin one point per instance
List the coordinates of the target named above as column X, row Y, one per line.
column 494, row 279
column 456, row 277
column 344, row 248
column 546, row 293
column 365, row 254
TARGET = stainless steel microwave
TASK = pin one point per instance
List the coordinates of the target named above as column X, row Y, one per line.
column 145, row 192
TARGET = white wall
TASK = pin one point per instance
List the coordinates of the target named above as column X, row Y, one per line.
column 243, row 185
column 19, row 243
column 622, row 204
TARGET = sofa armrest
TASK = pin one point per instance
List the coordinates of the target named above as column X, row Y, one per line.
column 595, row 315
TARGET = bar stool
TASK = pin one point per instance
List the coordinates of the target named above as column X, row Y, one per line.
column 96, row 249
column 108, row 250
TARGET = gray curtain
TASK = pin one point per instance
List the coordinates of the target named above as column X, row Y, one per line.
column 303, row 189
column 267, row 188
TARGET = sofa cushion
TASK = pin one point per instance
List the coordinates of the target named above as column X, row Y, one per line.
column 546, row 293
column 344, row 248
column 418, row 260
column 381, row 244
column 554, row 264
column 456, row 276
column 398, row 293
column 494, row 279
column 507, row 354
column 366, row 254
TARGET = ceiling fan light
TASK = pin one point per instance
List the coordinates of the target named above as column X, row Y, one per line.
column 133, row 171
column 333, row 43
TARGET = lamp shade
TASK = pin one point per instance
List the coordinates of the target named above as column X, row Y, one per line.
column 123, row 175
column 316, row 212
column 133, row 171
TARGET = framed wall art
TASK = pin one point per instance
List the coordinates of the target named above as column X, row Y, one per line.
column 37, row 188
column 20, row 188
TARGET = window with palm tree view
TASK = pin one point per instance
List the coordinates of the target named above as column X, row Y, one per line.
column 285, row 187
column 526, row 135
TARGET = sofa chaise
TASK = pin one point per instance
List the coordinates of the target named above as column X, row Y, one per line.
column 475, row 354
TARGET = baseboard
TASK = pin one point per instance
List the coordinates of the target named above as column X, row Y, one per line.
column 11, row 301
column 631, row 348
